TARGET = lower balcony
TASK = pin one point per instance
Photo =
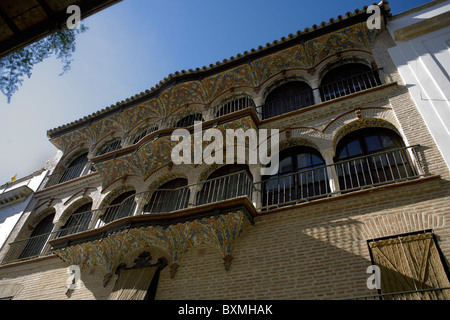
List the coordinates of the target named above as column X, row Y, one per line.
column 223, row 194
column 68, row 174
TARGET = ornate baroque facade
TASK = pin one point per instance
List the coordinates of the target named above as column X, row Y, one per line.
column 360, row 177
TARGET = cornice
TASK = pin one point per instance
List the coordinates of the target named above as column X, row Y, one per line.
column 69, row 186
column 14, row 196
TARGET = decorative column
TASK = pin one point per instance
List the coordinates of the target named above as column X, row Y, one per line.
column 208, row 113
column 140, row 201
column 56, row 227
column 95, row 220
column 258, row 107
column 193, row 190
column 257, row 192
column 316, row 92
column 333, row 178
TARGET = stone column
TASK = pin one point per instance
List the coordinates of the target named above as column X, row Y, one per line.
column 56, row 227
column 316, row 92
column 258, row 107
column 193, row 191
column 333, row 179
column 257, row 191
column 140, row 202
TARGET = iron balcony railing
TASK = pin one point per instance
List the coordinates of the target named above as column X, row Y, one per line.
column 174, row 121
column 380, row 168
column 67, row 174
column 28, row 248
column 225, row 187
column 295, row 187
column 135, row 138
column 327, row 92
column 157, row 201
column 424, row 294
column 109, row 146
column 233, row 106
column 362, row 172
column 286, row 104
column 351, row 85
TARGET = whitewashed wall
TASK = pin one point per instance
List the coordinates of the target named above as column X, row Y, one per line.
column 424, row 64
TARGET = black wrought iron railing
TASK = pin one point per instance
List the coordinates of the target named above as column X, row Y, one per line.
column 351, row 85
column 67, row 175
column 157, row 201
column 286, row 104
column 378, row 168
column 354, row 174
column 28, row 248
column 233, row 106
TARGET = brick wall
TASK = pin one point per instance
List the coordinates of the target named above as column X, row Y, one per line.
column 312, row 251
column 315, row 250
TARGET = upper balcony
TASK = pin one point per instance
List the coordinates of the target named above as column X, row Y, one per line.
column 292, row 96
column 77, row 168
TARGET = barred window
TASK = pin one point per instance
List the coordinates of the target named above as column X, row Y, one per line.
column 288, row 97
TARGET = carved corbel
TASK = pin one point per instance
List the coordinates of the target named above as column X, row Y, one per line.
column 227, row 262
column 173, row 270
column 106, row 279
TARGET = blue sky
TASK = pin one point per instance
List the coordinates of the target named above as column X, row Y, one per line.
column 133, row 45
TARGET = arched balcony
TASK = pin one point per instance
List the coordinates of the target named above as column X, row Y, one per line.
column 122, row 206
column 171, row 196
column 141, row 133
column 78, row 221
column 227, row 182
column 373, row 156
column 302, row 175
column 78, row 167
column 287, row 97
column 34, row 245
column 348, row 79
column 233, row 105
column 188, row 120
column 109, row 146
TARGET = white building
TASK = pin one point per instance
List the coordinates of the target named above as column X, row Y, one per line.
column 422, row 56
column 14, row 200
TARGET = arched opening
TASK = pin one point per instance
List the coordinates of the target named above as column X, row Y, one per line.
column 235, row 105
column 135, row 138
column 229, row 181
column 78, row 221
column 301, row 175
column 171, row 196
column 122, row 206
column 110, row 146
column 189, row 120
column 75, row 168
column 347, row 79
column 35, row 244
column 288, row 97
column 372, row 156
